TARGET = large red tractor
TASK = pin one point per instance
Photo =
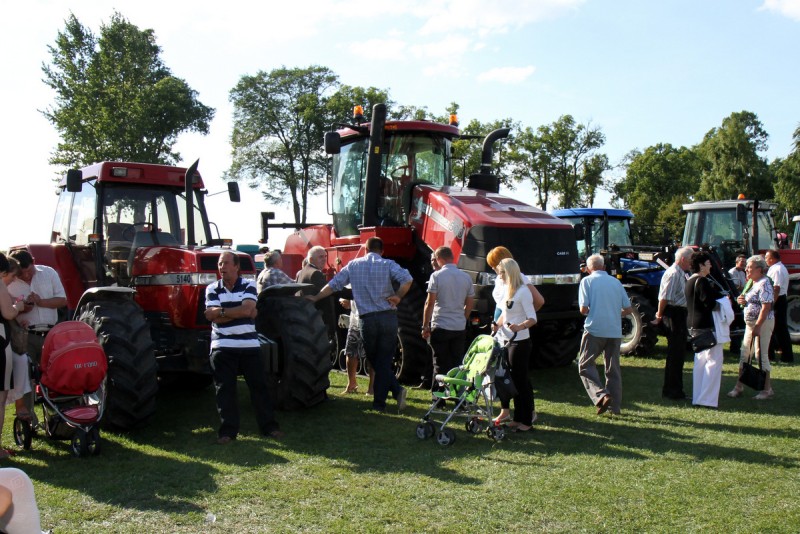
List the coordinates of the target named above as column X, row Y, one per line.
column 133, row 246
column 393, row 179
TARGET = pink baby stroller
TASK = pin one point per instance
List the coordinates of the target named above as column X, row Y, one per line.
column 71, row 387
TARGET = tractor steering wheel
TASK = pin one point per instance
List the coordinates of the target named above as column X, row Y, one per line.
column 130, row 231
column 399, row 172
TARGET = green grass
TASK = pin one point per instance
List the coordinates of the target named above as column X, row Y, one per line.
column 663, row 466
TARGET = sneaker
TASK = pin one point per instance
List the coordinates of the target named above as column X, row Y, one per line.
column 401, row 399
column 764, row 395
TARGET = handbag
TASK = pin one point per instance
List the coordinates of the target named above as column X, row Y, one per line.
column 750, row 375
column 700, row 338
column 503, row 383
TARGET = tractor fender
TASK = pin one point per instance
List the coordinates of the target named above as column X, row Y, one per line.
column 107, row 292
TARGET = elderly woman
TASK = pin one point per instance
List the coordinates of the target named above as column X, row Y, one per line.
column 701, row 299
column 760, row 322
column 517, row 316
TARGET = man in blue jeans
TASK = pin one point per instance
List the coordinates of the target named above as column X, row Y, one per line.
column 371, row 279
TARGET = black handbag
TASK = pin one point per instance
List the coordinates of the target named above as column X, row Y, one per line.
column 700, row 338
column 503, row 383
column 752, row 376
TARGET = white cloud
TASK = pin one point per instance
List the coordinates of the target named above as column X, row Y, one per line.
column 508, row 75
column 379, row 49
column 787, row 8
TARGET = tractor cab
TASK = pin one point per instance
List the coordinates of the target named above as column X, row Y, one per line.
column 732, row 227
column 414, row 152
column 602, row 228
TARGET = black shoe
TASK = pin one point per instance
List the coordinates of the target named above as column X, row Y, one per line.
column 675, row 396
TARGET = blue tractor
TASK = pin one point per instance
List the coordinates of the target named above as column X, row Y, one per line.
column 607, row 231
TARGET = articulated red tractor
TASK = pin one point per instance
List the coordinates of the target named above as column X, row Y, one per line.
column 393, row 180
column 133, row 246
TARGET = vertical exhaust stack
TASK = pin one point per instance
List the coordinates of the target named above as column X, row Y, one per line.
column 374, row 161
column 484, row 179
column 189, row 190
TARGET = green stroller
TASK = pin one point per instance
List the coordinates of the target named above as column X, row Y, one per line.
column 470, row 387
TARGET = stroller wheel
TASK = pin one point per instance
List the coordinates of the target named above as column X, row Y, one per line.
column 93, row 441
column 473, row 425
column 23, row 433
column 446, row 437
column 80, row 445
column 497, row 433
column 425, row 430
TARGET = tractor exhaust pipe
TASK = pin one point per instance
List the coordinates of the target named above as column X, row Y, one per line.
column 188, row 180
column 484, row 179
column 374, row 161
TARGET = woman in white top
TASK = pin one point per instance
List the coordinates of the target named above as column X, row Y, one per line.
column 517, row 316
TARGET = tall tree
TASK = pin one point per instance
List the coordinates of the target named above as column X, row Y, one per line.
column 341, row 103
column 468, row 151
column 279, row 119
column 656, row 184
column 732, row 161
column 115, row 98
column 787, row 174
column 561, row 158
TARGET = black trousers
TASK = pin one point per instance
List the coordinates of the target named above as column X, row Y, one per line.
column 448, row 350
column 780, row 335
column 227, row 365
column 675, row 325
column 519, row 357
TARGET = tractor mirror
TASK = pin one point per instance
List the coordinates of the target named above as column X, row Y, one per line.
column 580, row 232
column 233, row 192
column 333, row 143
column 74, row 180
column 741, row 214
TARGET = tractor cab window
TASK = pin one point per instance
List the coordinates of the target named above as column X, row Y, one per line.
column 408, row 159
column 619, row 233
column 349, row 170
column 81, row 223
column 62, row 218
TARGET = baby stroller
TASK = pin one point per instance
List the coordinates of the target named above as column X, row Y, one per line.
column 470, row 387
column 70, row 384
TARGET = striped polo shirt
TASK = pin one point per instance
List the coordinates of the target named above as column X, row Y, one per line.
column 239, row 333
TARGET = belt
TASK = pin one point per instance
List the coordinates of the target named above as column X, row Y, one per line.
column 39, row 329
column 370, row 314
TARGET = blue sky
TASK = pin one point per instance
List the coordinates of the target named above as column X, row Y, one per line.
column 644, row 72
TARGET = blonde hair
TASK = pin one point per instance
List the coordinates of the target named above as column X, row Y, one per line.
column 513, row 277
column 496, row 255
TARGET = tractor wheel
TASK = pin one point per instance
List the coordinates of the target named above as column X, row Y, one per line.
column 132, row 369
column 556, row 343
column 793, row 311
column 297, row 326
column 638, row 335
column 412, row 358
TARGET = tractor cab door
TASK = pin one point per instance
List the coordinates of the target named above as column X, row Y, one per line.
column 73, row 226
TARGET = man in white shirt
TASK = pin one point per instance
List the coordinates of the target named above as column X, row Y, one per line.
column 780, row 281
column 737, row 272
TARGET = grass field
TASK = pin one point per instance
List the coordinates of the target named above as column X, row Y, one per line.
column 663, row 466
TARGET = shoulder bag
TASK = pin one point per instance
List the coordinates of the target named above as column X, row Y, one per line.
column 700, row 338
column 751, row 376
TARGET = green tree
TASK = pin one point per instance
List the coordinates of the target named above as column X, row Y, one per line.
column 341, row 103
column 115, row 98
column 279, row 120
column 656, row 184
column 787, row 174
column 468, row 150
column 732, row 161
column 562, row 158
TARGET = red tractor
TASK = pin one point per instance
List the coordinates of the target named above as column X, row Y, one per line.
column 134, row 249
column 393, row 179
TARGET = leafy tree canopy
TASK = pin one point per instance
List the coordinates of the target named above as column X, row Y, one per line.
column 115, row 98
column 787, row 174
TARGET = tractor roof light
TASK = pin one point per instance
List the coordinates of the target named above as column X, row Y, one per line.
column 119, row 172
column 358, row 114
column 741, row 196
column 453, row 119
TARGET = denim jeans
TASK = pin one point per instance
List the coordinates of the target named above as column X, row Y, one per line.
column 380, row 343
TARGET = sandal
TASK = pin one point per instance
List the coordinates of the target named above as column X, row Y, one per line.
column 735, row 393
column 502, row 418
column 350, row 390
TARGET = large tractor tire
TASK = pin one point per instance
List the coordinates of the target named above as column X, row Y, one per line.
column 412, row 358
column 132, row 381
column 556, row 343
column 302, row 379
column 639, row 336
column 793, row 310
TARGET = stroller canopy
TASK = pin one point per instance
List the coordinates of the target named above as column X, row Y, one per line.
column 73, row 362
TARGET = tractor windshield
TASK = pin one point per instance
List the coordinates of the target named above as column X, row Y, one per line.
column 720, row 228
column 408, row 157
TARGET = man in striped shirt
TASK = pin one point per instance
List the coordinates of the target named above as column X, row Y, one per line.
column 235, row 349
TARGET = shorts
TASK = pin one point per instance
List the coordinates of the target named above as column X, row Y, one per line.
column 354, row 345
